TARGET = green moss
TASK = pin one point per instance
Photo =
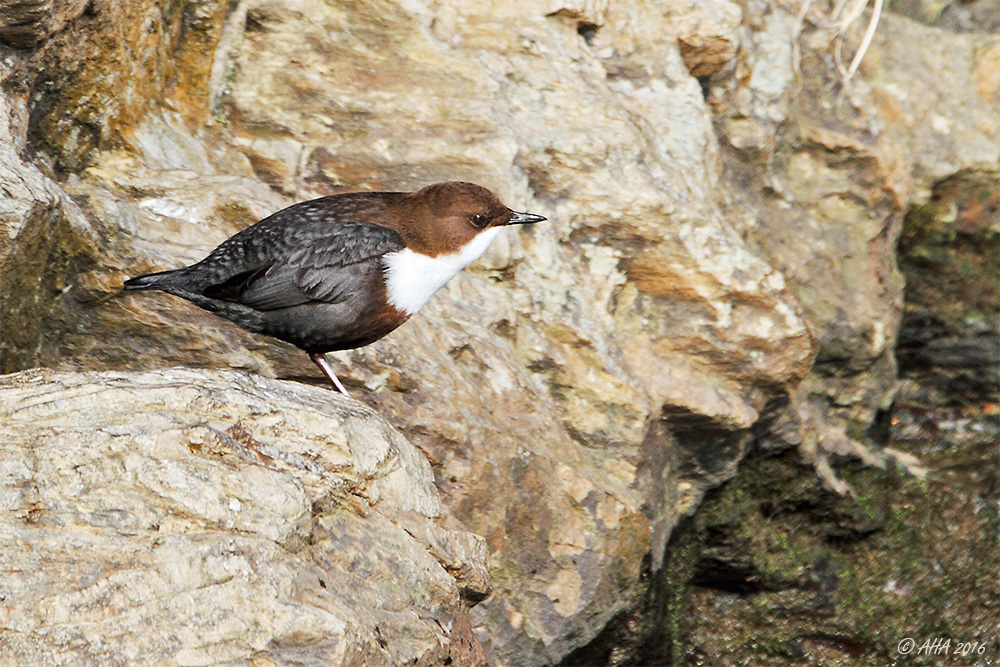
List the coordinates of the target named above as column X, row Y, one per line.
column 786, row 571
column 678, row 569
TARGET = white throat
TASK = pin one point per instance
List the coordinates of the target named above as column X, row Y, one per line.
column 412, row 278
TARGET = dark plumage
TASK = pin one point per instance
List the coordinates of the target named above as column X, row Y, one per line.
column 340, row 272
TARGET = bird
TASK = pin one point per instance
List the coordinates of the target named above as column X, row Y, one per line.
column 342, row 271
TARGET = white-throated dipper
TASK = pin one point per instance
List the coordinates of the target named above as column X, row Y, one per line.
column 342, row 271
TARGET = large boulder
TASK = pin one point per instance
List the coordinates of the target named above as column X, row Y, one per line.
column 206, row 517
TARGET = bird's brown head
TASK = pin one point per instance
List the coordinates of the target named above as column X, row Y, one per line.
column 445, row 217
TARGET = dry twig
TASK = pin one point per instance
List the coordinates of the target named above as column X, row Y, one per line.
column 836, row 22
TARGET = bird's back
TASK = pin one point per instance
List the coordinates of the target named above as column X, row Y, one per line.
column 281, row 234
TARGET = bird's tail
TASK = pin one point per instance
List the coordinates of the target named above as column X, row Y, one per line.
column 159, row 280
column 173, row 282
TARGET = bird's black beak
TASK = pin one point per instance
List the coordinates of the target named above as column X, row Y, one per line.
column 525, row 218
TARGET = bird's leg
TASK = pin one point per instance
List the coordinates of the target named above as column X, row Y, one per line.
column 324, row 365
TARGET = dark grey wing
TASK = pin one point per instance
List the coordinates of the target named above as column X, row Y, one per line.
column 328, row 269
column 258, row 247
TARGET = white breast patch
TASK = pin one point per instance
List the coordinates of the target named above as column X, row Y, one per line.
column 412, row 278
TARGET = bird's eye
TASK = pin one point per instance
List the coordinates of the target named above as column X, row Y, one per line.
column 479, row 220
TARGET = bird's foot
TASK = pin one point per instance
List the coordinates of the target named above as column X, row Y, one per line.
column 324, row 365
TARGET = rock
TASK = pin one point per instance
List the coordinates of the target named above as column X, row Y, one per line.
column 207, row 517
column 964, row 16
column 26, row 23
column 718, row 269
column 774, row 569
column 773, row 560
column 707, row 35
column 949, row 342
column 29, row 197
column 821, row 194
column 953, row 126
column 824, row 181
column 536, row 383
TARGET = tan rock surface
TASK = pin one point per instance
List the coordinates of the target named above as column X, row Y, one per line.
column 579, row 389
column 531, row 382
column 206, row 517
column 822, row 177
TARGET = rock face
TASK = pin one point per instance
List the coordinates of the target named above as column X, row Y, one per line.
column 204, row 517
column 773, row 571
column 718, row 269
